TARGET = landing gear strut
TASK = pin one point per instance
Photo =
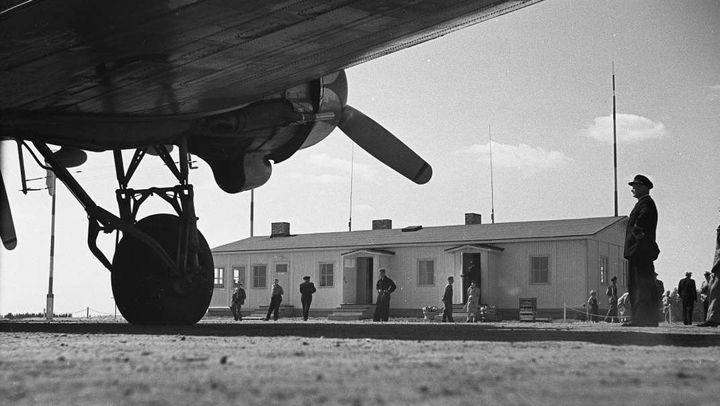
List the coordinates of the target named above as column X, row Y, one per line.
column 149, row 289
column 162, row 271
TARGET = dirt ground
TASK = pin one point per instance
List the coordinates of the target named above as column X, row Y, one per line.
column 218, row 361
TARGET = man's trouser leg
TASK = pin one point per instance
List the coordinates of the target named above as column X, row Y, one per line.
column 447, row 312
column 687, row 312
column 643, row 293
column 378, row 307
column 277, row 307
column 270, row 308
column 306, row 307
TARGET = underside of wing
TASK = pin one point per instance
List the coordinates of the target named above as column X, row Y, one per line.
column 138, row 57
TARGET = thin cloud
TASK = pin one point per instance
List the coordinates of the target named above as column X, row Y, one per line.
column 630, row 129
column 525, row 158
column 325, row 169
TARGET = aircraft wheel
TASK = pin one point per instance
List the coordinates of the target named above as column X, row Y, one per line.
column 145, row 290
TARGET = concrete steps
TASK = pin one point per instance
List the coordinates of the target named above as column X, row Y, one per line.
column 352, row 312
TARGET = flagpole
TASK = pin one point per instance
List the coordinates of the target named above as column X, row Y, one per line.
column 352, row 172
column 252, row 210
column 492, row 187
column 614, row 141
column 50, row 296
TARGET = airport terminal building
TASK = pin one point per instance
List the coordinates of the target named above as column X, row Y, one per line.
column 555, row 262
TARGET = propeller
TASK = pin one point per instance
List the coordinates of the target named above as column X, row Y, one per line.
column 7, row 228
column 370, row 135
column 383, row 145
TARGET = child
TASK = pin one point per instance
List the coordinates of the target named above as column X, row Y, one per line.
column 593, row 307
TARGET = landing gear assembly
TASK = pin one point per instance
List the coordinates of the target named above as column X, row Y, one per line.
column 162, row 270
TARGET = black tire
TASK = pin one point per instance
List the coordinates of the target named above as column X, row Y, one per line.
column 145, row 289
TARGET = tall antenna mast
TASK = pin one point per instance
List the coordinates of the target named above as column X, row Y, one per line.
column 614, row 141
column 492, row 188
column 352, row 170
column 252, row 210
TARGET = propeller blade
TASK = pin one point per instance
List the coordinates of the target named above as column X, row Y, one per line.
column 7, row 228
column 384, row 146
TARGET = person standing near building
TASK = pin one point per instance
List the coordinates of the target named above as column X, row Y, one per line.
column 713, row 315
column 385, row 286
column 593, row 307
column 238, row 299
column 612, row 314
column 307, row 289
column 275, row 300
column 447, row 300
column 688, row 295
column 704, row 290
column 641, row 251
column 473, row 293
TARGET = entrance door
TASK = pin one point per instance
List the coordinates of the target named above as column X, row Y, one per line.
column 364, row 282
column 282, row 273
column 470, row 272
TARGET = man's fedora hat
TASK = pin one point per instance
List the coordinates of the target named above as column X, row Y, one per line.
column 614, row 278
column 642, row 180
column 688, row 273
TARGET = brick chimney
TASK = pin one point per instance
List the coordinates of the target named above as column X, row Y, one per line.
column 384, row 224
column 280, row 230
column 473, row 218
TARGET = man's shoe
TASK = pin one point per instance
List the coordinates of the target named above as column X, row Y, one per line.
column 708, row 324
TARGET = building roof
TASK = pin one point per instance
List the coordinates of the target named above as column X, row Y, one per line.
column 458, row 234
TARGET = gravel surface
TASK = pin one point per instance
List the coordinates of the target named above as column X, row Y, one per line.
column 320, row 362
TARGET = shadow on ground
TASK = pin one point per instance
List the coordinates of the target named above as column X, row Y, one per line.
column 389, row 331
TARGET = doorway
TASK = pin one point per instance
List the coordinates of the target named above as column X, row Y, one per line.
column 470, row 272
column 364, row 281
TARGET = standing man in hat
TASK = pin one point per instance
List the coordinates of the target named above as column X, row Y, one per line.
column 704, row 291
column 640, row 251
column 447, row 300
column 275, row 300
column 238, row 299
column 385, row 286
column 612, row 314
column 307, row 289
column 688, row 294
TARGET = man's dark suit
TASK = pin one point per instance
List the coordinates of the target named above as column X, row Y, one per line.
column 640, row 251
column 307, row 289
column 688, row 294
column 447, row 300
column 385, row 286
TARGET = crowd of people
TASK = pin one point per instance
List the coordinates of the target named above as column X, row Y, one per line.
column 645, row 303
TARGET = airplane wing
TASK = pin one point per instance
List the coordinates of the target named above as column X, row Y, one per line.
column 189, row 57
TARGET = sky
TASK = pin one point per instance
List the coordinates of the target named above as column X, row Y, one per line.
column 539, row 80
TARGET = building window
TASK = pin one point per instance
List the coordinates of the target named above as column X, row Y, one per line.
column 238, row 274
column 540, row 270
column 624, row 273
column 603, row 270
column 259, row 276
column 281, row 268
column 426, row 272
column 326, row 274
column 219, row 277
